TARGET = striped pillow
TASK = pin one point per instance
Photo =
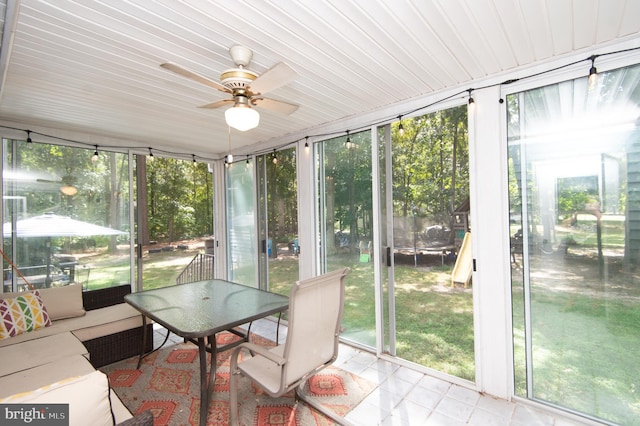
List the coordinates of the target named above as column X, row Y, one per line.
column 21, row 314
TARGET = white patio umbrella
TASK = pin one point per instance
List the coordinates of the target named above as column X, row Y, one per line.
column 51, row 225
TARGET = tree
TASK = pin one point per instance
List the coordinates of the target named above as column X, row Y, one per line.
column 430, row 164
column 282, row 194
column 348, row 188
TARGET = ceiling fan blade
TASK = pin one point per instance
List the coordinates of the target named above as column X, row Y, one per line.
column 276, row 76
column 217, row 104
column 194, row 76
column 276, row 106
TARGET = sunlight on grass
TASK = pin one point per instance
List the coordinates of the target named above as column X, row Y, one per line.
column 584, row 352
column 160, row 269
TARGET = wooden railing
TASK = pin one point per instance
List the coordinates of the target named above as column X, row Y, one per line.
column 200, row 268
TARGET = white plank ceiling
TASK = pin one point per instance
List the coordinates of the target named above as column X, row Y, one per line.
column 90, row 67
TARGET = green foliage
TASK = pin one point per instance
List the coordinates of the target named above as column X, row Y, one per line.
column 430, row 173
column 179, row 198
column 347, row 173
column 102, row 186
column 47, row 167
column 430, row 164
column 574, row 194
column 282, row 195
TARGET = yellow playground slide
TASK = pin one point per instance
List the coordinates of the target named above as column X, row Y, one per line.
column 464, row 263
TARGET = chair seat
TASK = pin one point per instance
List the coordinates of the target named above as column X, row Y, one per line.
column 264, row 371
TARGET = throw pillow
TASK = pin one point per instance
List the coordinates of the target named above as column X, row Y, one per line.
column 63, row 302
column 21, row 314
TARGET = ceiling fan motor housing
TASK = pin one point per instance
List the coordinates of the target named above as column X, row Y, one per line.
column 237, row 78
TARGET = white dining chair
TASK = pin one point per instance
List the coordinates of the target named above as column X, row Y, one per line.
column 315, row 313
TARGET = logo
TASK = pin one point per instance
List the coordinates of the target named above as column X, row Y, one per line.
column 34, row 414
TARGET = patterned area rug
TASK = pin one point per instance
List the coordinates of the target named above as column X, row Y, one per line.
column 168, row 384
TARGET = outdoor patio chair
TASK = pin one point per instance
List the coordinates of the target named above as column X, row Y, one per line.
column 315, row 312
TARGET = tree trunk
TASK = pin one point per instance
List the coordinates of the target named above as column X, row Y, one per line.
column 330, row 244
column 113, row 200
column 142, row 213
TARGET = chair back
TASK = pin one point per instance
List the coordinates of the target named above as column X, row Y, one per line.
column 315, row 313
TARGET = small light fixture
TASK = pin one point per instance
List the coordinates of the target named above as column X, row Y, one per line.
column 228, row 159
column 29, row 136
column 400, row 126
column 241, row 116
column 247, row 163
column 193, row 156
column 274, row 158
column 471, row 101
column 348, row 144
column 593, row 74
column 151, row 158
column 95, row 156
column 306, row 143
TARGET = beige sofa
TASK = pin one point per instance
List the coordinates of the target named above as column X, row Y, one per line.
column 57, row 363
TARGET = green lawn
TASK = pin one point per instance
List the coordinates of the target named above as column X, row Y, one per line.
column 434, row 322
column 585, row 354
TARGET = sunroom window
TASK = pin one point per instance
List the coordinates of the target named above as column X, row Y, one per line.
column 574, row 187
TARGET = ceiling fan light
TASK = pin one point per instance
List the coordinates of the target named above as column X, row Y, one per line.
column 69, row 190
column 242, row 117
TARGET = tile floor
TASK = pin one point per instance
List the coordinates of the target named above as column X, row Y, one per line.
column 406, row 397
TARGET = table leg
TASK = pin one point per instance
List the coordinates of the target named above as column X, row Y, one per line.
column 144, row 341
column 204, row 395
column 214, row 365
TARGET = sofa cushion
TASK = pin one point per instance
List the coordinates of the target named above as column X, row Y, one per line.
column 96, row 323
column 120, row 412
column 34, row 352
column 42, row 375
column 63, row 302
column 87, row 396
column 105, row 321
column 21, row 314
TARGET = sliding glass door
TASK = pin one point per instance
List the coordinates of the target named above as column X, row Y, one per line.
column 412, row 306
column 345, row 227
column 278, row 220
column 242, row 250
column 429, row 291
column 574, row 185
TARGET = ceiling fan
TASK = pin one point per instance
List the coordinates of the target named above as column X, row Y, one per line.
column 246, row 88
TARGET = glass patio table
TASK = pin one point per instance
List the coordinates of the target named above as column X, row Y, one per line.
column 198, row 311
